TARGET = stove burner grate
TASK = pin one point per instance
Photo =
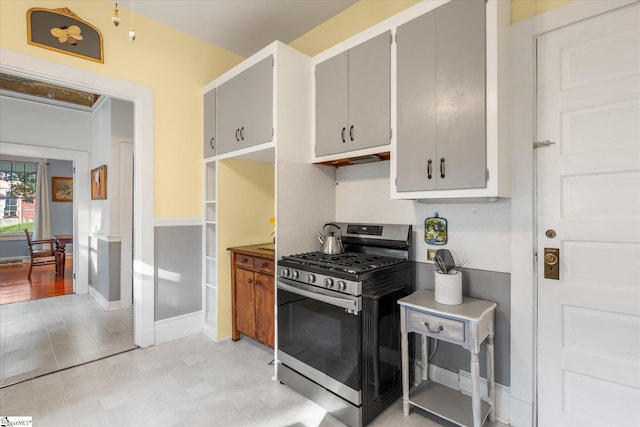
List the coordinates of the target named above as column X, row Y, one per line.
column 350, row 262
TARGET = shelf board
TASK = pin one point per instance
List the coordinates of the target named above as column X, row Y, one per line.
column 447, row 403
column 210, row 202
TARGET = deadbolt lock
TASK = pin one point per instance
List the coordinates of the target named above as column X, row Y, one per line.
column 551, row 263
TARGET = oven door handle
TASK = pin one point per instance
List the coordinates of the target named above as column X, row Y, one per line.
column 347, row 303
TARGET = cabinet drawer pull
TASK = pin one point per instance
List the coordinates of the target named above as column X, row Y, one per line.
column 429, row 169
column 351, row 133
column 442, row 172
column 242, row 133
column 343, row 139
column 244, row 260
column 237, row 139
column 211, row 143
column 437, row 331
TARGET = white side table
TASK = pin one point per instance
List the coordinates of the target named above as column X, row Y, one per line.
column 467, row 325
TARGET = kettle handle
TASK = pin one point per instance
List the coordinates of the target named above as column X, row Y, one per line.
column 331, row 223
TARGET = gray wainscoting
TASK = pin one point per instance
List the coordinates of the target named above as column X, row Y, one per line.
column 104, row 267
column 489, row 285
column 178, row 270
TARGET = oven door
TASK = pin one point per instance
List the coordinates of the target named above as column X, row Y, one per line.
column 319, row 336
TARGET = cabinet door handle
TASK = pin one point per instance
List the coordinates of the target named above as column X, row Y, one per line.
column 351, row 133
column 442, row 172
column 343, row 139
column 211, row 143
column 429, row 168
column 436, row 331
column 242, row 133
column 250, row 281
column 237, row 139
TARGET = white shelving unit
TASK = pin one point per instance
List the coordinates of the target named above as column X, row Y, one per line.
column 210, row 266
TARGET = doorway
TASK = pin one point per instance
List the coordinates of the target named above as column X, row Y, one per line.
column 588, row 225
column 143, row 229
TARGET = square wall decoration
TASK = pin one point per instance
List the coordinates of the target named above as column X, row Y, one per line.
column 63, row 31
column 99, row 183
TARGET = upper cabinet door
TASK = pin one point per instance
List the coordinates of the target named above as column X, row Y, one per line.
column 441, row 142
column 461, row 104
column 245, row 108
column 370, row 93
column 332, row 105
column 416, row 85
column 209, row 122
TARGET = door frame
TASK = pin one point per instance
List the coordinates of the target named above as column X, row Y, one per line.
column 522, row 133
column 143, row 99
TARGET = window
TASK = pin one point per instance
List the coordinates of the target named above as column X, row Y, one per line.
column 17, row 196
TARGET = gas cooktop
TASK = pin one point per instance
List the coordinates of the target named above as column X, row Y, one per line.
column 349, row 262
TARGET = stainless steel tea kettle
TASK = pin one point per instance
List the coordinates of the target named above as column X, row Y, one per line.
column 331, row 243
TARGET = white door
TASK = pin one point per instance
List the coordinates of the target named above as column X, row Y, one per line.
column 588, row 103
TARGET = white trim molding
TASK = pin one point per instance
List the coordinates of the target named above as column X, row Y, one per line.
column 102, row 301
column 179, row 326
column 177, row 222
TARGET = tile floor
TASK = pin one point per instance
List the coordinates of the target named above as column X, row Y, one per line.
column 192, row 381
column 45, row 335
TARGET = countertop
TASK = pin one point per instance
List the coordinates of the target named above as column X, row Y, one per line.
column 264, row 250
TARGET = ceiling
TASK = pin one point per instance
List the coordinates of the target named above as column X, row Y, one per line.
column 240, row 26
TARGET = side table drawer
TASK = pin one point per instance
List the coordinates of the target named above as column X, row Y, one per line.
column 244, row 260
column 264, row 265
column 436, row 327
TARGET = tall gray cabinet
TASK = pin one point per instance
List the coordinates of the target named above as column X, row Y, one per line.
column 244, row 108
column 353, row 98
column 441, row 106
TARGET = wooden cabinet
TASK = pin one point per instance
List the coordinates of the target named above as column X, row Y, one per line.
column 253, row 293
column 209, row 122
column 441, row 99
column 244, row 108
column 353, row 98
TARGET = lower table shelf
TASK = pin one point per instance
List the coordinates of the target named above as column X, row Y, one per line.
column 446, row 403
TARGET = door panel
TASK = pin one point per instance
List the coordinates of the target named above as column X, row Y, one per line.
column 588, row 192
column 209, row 110
column 257, row 96
column 265, row 309
column 416, row 83
column 245, row 297
column 370, row 93
column 332, row 90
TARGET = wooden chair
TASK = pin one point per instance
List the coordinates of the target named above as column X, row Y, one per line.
column 43, row 252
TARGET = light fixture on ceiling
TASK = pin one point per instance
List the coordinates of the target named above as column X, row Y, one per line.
column 115, row 19
column 132, row 33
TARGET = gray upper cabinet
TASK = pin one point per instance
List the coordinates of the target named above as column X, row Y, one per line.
column 353, row 98
column 244, row 108
column 209, row 121
column 441, row 141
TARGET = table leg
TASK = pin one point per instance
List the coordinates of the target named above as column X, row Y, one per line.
column 404, row 350
column 425, row 358
column 475, row 388
column 491, row 383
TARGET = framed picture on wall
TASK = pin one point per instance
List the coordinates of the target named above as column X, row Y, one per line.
column 61, row 189
column 99, row 183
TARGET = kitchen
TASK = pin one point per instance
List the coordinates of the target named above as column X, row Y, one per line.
column 363, row 186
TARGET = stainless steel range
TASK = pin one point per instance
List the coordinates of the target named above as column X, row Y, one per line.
column 339, row 321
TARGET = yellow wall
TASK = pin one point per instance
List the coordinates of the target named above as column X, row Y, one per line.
column 174, row 64
column 349, row 22
column 245, row 204
column 523, row 9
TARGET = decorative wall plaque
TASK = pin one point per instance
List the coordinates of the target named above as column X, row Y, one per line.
column 63, row 31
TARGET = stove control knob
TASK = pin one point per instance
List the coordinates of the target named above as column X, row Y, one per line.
column 311, row 278
column 284, row 272
column 328, row 282
column 294, row 274
column 341, row 285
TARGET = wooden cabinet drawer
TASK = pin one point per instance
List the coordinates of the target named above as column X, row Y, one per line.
column 244, row 260
column 436, row 327
column 264, row 265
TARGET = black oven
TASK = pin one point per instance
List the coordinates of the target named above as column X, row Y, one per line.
column 338, row 323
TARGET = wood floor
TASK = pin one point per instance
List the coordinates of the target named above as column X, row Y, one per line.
column 16, row 287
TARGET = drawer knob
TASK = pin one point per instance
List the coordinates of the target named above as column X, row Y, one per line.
column 436, row 331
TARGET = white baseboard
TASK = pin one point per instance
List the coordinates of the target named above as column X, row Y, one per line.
column 179, row 326
column 106, row 305
column 521, row 413
column 462, row 381
column 210, row 331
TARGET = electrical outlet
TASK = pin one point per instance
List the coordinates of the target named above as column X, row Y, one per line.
column 431, row 254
